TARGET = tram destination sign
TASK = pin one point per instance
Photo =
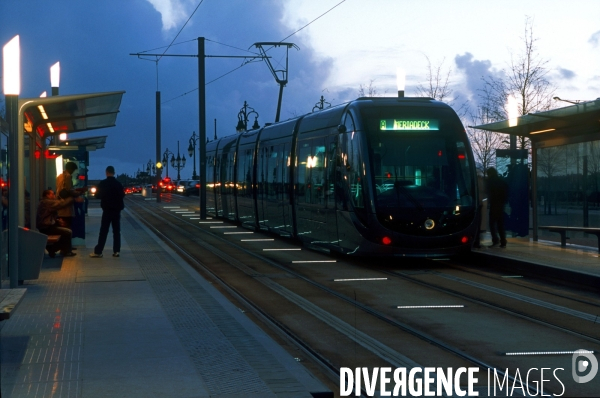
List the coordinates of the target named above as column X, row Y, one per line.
column 408, row 124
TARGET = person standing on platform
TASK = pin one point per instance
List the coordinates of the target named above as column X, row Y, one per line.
column 497, row 197
column 47, row 224
column 111, row 194
column 64, row 190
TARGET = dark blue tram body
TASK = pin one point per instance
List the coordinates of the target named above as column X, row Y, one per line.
column 376, row 176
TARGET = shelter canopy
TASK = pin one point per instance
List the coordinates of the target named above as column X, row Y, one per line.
column 579, row 119
column 89, row 143
column 71, row 113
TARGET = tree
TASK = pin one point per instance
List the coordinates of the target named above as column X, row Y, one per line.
column 484, row 143
column 368, row 91
column 526, row 79
column 437, row 82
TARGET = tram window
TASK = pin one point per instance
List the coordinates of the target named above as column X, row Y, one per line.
column 349, row 123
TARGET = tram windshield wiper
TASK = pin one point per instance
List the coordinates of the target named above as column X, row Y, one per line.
column 399, row 188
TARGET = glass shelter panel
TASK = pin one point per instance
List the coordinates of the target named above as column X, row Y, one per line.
column 568, row 189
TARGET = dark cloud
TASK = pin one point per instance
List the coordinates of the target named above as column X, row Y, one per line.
column 475, row 71
column 566, row 73
column 93, row 43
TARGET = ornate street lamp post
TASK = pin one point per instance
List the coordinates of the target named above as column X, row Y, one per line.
column 150, row 169
column 192, row 151
column 165, row 159
column 178, row 163
column 243, row 118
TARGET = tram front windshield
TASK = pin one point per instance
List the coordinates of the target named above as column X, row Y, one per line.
column 420, row 166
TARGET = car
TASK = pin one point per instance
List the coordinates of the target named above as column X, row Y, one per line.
column 188, row 187
column 91, row 193
column 192, row 188
column 150, row 188
column 166, row 185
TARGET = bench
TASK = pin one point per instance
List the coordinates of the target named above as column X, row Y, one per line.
column 9, row 300
column 563, row 232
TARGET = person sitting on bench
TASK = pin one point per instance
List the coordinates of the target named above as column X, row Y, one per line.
column 47, row 223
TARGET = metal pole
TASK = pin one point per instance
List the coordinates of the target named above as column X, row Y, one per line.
column 13, row 189
column 202, row 122
column 158, row 171
column 534, row 201
column 279, row 102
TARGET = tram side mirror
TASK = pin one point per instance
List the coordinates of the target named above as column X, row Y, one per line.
column 341, row 129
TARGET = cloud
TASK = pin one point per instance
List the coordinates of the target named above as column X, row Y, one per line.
column 173, row 12
column 474, row 71
column 595, row 39
column 566, row 73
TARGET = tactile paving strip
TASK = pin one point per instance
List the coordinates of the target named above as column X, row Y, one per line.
column 41, row 345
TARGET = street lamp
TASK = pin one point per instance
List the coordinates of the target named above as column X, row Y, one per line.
column 243, row 118
column 178, row 163
column 165, row 159
column 11, row 67
column 321, row 104
column 192, row 151
column 150, row 169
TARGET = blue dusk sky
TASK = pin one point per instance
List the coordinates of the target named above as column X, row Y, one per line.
column 355, row 42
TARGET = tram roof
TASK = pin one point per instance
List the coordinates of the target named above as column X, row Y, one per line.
column 71, row 113
column 575, row 120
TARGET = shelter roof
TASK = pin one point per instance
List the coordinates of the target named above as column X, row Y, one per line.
column 89, row 143
column 574, row 120
column 71, row 113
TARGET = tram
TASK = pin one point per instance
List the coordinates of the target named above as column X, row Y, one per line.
column 372, row 177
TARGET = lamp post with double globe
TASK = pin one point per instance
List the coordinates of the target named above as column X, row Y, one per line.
column 243, row 115
column 192, row 151
column 165, row 159
column 178, row 163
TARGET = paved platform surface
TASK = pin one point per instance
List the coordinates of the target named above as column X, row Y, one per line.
column 579, row 264
column 141, row 325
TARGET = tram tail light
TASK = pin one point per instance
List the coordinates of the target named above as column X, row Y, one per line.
column 386, row 240
column 464, row 239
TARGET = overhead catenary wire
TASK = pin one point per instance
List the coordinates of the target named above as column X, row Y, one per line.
column 247, row 62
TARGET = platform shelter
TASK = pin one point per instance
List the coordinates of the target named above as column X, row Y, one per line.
column 29, row 156
column 565, row 166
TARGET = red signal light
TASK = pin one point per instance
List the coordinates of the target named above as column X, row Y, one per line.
column 386, row 240
column 461, row 156
column 464, row 239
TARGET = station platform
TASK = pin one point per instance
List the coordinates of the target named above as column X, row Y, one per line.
column 144, row 324
column 574, row 263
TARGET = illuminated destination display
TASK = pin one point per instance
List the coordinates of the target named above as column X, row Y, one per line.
column 408, row 124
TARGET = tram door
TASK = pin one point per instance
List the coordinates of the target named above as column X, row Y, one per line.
column 273, row 188
column 315, row 194
column 226, row 169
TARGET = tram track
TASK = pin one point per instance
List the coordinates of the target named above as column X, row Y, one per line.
column 381, row 350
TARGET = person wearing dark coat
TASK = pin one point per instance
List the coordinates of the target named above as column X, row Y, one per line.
column 111, row 194
column 46, row 221
column 497, row 197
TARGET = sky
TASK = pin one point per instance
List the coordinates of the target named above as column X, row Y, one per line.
column 342, row 45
